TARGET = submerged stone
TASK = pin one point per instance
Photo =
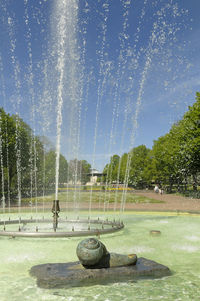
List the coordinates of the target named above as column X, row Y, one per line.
column 53, row 275
column 155, row 232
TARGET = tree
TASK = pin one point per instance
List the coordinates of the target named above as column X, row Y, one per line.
column 50, row 169
column 190, row 140
column 122, row 167
column 25, row 160
column 15, row 137
column 79, row 171
column 85, row 168
column 139, row 156
column 174, row 158
column 176, row 155
column 111, row 169
column 163, row 165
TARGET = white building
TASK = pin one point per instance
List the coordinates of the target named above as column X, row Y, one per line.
column 94, row 175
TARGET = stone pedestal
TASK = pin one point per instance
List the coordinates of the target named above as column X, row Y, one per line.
column 52, row 275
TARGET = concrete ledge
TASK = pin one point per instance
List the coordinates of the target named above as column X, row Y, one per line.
column 53, row 275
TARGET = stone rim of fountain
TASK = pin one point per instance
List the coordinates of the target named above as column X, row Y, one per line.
column 112, row 226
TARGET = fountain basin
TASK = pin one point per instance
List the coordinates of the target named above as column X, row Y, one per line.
column 57, row 275
column 177, row 247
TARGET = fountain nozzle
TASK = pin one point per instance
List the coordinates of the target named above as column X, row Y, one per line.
column 55, row 210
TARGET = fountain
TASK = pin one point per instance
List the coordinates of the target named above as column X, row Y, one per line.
column 177, row 249
column 80, row 79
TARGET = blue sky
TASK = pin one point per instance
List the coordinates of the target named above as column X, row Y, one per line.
column 129, row 70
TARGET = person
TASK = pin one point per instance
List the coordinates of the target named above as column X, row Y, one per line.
column 156, row 189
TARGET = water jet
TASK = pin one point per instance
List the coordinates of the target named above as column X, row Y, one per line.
column 108, row 74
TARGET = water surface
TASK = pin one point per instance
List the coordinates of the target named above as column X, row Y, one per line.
column 178, row 247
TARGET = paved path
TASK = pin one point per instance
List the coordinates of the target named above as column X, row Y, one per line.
column 171, row 203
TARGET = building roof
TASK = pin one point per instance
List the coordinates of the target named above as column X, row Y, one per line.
column 95, row 172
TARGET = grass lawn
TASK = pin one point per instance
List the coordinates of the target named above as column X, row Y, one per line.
column 96, row 196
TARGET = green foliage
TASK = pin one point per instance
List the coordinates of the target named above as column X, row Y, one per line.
column 28, row 162
column 15, row 140
column 116, row 170
column 139, row 158
column 79, row 171
column 111, row 170
column 50, row 169
column 27, row 167
column 173, row 160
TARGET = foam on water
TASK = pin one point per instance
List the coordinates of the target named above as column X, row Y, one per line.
column 24, row 257
column 138, row 249
column 186, row 248
column 164, row 222
column 193, row 238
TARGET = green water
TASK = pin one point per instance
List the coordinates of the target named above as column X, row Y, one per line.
column 178, row 247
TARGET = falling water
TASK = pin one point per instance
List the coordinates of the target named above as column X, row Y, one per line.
column 2, row 167
column 16, row 68
column 83, row 97
column 135, row 56
column 122, row 62
column 45, row 106
column 33, row 151
column 103, row 72
column 18, row 155
column 7, row 159
column 67, row 58
column 61, row 36
column 156, row 43
column 71, row 85
column 6, row 143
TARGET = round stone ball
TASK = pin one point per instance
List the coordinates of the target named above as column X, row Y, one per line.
column 90, row 251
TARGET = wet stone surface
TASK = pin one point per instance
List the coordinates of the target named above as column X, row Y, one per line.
column 53, row 275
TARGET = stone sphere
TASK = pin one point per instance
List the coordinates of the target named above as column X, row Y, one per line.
column 90, row 251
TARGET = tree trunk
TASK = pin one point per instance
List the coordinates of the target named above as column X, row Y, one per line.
column 194, row 184
column 170, row 186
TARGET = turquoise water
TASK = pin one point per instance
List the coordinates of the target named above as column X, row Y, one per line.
column 178, row 247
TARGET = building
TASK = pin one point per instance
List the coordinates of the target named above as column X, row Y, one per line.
column 94, row 176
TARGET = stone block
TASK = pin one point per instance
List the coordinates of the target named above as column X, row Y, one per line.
column 57, row 275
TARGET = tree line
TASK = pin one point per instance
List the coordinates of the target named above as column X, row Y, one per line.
column 27, row 162
column 173, row 161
